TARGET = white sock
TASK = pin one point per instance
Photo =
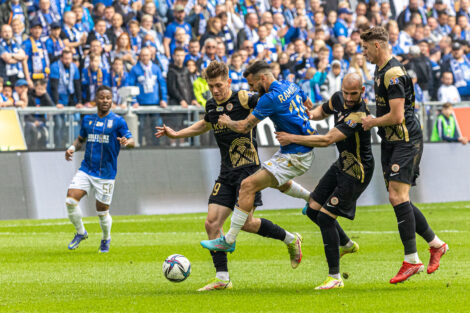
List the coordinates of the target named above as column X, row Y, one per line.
column 289, row 238
column 336, row 276
column 222, row 275
column 349, row 244
column 297, row 191
column 106, row 222
column 75, row 215
column 237, row 221
column 436, row 242
column 412, row 258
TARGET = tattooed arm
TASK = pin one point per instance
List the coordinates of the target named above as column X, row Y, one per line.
column 242, row 126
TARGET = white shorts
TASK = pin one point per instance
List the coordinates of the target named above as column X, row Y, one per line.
column 104, row 188
column 285, row 167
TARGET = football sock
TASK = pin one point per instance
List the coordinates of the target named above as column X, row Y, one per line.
column 75, row 215
column 412, row 258
column 406, row 226
column 222, row 275
column 219, row 258
column 349, row 244
column 436, row 242
column 106, row 222
column 237, row 221
column 422, row 226
column 336, row 276
column 330, row 241
column 343, row 238
column 271, row 230
column 297, row 191
column 289, row 238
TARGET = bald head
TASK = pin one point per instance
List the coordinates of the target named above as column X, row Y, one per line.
column 352, row 81
column 352, row 89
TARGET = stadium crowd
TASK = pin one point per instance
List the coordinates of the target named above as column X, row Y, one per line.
column 58, row 52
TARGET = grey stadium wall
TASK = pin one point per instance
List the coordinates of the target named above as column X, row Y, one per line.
column 33, row 185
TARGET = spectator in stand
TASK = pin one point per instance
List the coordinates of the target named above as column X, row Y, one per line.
column 4, row 101
column 228, row 35
column 213, row 30
column 333, row 80
column 11, row 9
column 459, row 65
column 181, row 40
column 100, row 34
column 194, row 51
column 359, row 65
column 448, row 92
column 405, row 37
column 54, row 44
column 124, row 52
column 136, row 39
column 126, row 10
column 445, row 129
column 265, row 49
column 338, row 54
column 406, row 15
column 421, row 65
column 249, row 32
column 72, row 38
column 342, row 25
column 35, row 124
column 45, row 17
column 109, row 12
column 20, row 93
column 393, row 36
column 220, row 51
column 210, row 48
column 171, row 28
column 444, row 28
column 19, row 33
column 93, row 76
column 64, row 83
column 36, row 53
column 239, row 82
column 153, row 91
column 301, row 58
column 118, row 79
column 200, row 86
column 84, row 20
column 12, row 57
column 7, row 94
column 116, row 29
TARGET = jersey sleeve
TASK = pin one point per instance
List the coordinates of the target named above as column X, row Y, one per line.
column 351, row 124
column 264, row 108
column 83, row 132
column 123, row 130
column 303, row 95
column 252, row 100
column 248, row 100
column 394, row 81
column 210, row 116
column 328, row 107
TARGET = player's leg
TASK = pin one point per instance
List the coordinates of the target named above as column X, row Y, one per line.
column 104, row 189
column 293, row 189
column 78, row 188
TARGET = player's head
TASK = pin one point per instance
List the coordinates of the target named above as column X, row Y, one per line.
column 352, row 89
column 216, row 75
column 259, row 76
column 104, row 98
column 375, row 43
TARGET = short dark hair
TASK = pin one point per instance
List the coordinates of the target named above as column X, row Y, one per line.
column 257, row 67
column 178, row 49
column 64, row 52
column 40, row 82
column 375, row 33
column 216, row 69
column 103, row 87
column 447, row 105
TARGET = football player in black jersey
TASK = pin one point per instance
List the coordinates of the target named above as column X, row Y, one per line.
column 239, row 159
column 402, row 147
column 338, row 190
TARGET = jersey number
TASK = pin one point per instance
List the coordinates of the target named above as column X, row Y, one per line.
column 215, row 191
column 296, row 105
column 107, row 188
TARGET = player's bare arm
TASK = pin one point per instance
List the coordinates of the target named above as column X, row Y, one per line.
column 242, row 126
column 394, row 117
column 77, row 145
column 308, row 104
column 126, row 142
column 317, row 114
column 330, row 138
column 196, row 129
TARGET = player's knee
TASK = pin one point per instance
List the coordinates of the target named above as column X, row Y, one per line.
column 247, row 185
column 285, row 187
column 395, row 197
column 71, row 202
column 211, row 225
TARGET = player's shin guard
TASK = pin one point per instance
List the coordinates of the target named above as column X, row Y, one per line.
column 330, row 241
column 106, row 222
column 343, row 238
column 237, row 221
column 271, row 230
column 75, row 215
column 406, row 226
column 422, row 226
column 297, row 191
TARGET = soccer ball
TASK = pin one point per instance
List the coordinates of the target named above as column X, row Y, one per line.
column 176, row 268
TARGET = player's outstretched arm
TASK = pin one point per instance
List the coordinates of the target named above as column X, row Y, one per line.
column 317, row 114
column 242, row 126
column 198, row 128
column 77, row 145
column 126, row 142
column 331, row 137
column 394, row 117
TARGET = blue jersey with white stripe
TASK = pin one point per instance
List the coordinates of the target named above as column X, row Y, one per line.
column 284, row 105
column 102, row 147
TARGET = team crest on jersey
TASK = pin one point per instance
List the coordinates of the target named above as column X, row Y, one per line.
column 219, row 109
column 99, row 124
column 229, row 106
column 110, row 124
column 394, row 81
column 395, row 168
column 351, row 123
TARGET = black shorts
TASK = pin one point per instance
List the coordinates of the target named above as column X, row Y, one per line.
column 338, row 192
column 400, row 161
column 226, row 193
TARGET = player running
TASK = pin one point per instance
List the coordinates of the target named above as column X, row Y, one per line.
column 239, row 159
column 105, row 132
column 402, row 147
column 338, row 190
column 283, row 102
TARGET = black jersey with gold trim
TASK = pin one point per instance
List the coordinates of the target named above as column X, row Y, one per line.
column 392, row 82
column 237, row 151
column 355, row 152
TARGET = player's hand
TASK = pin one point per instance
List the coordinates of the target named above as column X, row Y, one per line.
column 165, row 131
column 283, row 138
column 123, row 141
column 224, row 120
column 69, row 154
column 367, row 122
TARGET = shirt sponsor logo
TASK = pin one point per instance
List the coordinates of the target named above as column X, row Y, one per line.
column 219, row 109
column 99, row 124
column 110, row 124
column 100, row 138
column 351, row 123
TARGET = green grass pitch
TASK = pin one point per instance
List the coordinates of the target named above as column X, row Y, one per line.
column 39, row 274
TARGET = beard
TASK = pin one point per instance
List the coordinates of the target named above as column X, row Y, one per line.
column 261, row 91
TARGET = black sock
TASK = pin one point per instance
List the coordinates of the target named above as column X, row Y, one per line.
column 343, row 238
column 406, row 226
column 219, row 258
column 271, row 230
column 330, row 241
column 422, row 226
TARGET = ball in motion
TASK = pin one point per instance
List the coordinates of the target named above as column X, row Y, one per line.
column 176, row 268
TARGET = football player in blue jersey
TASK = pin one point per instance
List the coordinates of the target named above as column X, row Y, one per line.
column 105, row 134
column 286, row 105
